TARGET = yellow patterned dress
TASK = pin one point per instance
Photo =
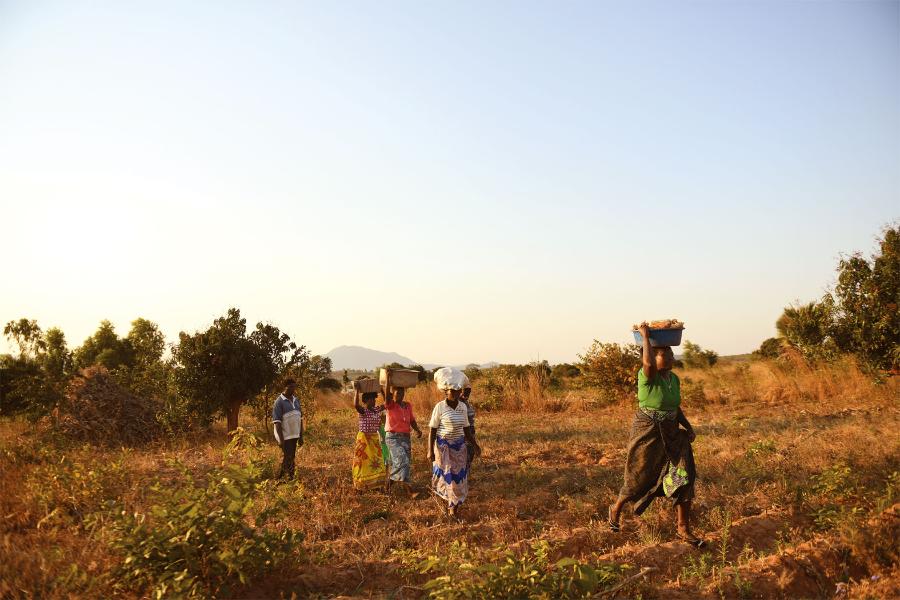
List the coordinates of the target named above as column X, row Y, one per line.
column 368, row 461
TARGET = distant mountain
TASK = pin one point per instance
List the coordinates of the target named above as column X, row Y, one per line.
column 487, row 365
column 364, row 359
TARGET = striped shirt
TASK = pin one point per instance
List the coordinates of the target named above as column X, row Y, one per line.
column 449, row 422
column 370, row 419
column 290, row 415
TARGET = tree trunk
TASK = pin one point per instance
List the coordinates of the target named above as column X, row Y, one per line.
column 234, row 408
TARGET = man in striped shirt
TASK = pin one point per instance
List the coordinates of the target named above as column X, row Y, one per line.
column 288, row 419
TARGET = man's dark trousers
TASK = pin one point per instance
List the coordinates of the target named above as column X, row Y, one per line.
column 289, row 449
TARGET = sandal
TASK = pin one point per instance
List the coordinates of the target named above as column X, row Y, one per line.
column 613, row 526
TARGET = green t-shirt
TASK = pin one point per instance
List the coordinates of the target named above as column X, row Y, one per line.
column 659, row 393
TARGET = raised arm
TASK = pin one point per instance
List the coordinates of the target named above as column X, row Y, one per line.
column 356, row 403
column 647, row 361
column 387, row 392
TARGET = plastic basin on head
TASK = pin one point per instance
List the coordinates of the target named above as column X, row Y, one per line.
column 660, row 337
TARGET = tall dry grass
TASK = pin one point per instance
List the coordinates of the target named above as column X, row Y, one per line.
column 788, row 458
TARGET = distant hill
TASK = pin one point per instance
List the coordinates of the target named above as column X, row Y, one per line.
column 358, row 358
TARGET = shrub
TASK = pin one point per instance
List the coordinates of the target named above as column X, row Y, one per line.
column 530, row 575
column 67, row 491
column 611, row 367
column 695, row 357
column 770, row 348
column 195, row 541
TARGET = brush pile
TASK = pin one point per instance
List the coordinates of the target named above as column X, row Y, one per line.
column 97, row 409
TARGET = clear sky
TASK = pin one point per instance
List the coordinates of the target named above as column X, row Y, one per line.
column 453, row 181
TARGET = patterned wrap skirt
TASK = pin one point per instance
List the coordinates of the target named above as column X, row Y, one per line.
column 401, row 455
column 660, row 461
column 450, row 471
column 368, row 462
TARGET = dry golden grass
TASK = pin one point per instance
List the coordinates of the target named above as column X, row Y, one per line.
column 794, row 494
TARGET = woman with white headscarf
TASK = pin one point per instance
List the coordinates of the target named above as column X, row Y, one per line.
column 447, row 441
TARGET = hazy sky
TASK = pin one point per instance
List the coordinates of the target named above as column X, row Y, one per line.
column 455, row 181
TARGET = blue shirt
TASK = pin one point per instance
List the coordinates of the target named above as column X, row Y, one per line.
column 289, row 414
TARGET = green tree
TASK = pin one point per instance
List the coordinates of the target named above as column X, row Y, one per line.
column 770, row 348
column 147, row 375
column 34, row 382
column 105, row 348
column 611, row 367
column 867, row 297
column 809, row 328
column 27, row 335
column 223, row 367
column 424, row 375
column 693, row 356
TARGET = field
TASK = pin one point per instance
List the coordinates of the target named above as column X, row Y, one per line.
column 798, row 497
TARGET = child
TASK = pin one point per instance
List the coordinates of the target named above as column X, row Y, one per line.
column 368, row 461
column 400, row 420
column 660, row 459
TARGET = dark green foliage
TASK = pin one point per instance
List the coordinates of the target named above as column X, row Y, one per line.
column 219, row 369
column 565, row 370
column 612, row 368
column 34, row 382
column 329, row 383
column 424, row 375
column 695, row 357
column 105, row 348
column 770, row 349
column 21, row 385
column 529, row 575
column 861, row 315
column 27, row 335
column 202, row 539
column 868, row 301
column 809, row 328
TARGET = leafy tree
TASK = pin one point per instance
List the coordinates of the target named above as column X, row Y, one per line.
column 770, row 348
column 223, row 367
column 867, row 298
column 473, row 372
column 105, row 348
column 34, row 382
column 20, row 384
column 309, row 371
column 693, row 356
column 329, row 384
column 809, row 328
column 147, row 375
column 424, row 374
column 27, row 336
column 56, row 360
column 611, row 367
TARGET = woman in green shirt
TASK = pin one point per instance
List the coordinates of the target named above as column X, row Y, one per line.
column 660, row 461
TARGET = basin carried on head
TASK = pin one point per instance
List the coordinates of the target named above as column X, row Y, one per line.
column 660, row 337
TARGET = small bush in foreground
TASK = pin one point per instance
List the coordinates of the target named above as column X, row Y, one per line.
column 196, row 541
column 530, row 575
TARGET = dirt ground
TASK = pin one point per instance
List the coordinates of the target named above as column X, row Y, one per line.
column 796, row 496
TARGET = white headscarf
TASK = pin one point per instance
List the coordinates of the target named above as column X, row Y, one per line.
column 449, row 378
